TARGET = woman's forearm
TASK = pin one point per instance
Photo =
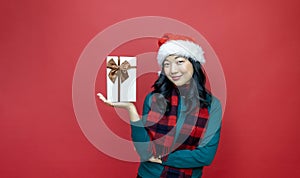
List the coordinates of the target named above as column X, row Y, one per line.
column 133, row 114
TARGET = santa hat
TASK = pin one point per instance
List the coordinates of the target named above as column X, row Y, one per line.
column 180, row 45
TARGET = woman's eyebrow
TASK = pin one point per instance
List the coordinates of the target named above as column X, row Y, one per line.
column 178, row 57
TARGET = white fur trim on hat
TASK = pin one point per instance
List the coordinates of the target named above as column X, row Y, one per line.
column 182, row 48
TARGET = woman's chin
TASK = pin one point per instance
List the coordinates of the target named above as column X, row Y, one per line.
column 178, row 83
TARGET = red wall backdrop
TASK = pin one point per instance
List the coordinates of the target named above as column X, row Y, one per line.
column 257, row 43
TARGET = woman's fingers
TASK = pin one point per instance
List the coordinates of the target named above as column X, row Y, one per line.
column 102, row 98
column 155, row 160
column 117, row 104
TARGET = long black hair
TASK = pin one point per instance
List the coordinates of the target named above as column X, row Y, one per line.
column 197, row 89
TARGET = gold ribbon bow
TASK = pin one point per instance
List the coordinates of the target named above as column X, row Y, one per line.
column 118, row 70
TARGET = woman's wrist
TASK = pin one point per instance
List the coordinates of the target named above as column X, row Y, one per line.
column 134, row 117
column 130, row 107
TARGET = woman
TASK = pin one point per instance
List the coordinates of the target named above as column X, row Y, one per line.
column 179, row 131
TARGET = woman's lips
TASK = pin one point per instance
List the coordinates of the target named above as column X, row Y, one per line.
column 175, row 78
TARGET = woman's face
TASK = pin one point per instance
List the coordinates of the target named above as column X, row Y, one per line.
column 178, row 70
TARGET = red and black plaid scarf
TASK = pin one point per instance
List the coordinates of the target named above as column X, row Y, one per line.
column 162, row 129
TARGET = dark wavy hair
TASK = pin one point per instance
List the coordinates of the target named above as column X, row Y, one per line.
column 197, row 89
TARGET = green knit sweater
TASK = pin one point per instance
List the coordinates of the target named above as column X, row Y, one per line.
column 203, row 155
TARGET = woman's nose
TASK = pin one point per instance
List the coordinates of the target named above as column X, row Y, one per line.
column 174, row 68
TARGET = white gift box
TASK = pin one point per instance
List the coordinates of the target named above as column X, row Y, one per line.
column 121, row 78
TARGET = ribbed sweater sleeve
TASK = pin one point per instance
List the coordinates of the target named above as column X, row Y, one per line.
column 139, row 134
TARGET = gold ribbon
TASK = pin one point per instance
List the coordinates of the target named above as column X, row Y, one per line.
column 119, row 71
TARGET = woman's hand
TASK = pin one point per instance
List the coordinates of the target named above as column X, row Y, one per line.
column 155, row 160
column 125, row 105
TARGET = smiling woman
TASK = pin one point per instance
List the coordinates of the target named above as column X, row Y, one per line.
column 179, row 131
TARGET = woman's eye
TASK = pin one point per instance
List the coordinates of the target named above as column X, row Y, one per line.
column 166, row 64
column 180, row 62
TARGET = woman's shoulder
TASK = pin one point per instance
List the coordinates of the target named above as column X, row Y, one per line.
column 215, row 104
column 148, row 98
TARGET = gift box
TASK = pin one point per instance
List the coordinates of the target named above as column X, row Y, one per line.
column 121, row 78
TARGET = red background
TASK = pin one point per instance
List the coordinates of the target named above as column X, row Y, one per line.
column 257, row 43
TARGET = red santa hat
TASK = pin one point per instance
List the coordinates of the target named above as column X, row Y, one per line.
column 180, row 45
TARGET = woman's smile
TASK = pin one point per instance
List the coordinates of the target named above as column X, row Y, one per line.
column 175, row 78
column 178, row 70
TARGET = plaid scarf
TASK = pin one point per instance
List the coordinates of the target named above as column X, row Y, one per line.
column 162, row 128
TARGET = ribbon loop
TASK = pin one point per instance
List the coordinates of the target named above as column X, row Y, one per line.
column 118, row 71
